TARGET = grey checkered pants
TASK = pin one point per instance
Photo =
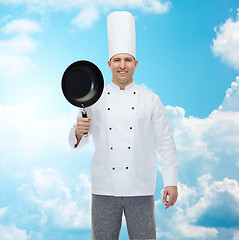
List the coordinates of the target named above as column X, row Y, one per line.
column 106, row 216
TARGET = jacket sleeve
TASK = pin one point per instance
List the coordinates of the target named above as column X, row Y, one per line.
column 72, row 137
column 165, row 144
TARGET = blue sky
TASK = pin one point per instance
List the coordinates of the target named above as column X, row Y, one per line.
column 188, row 54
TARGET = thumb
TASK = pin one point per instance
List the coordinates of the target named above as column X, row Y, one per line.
column 89, row 117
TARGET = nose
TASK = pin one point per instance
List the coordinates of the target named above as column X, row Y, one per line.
column 122, row 64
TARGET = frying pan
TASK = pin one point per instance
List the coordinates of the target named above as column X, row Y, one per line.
column 82, row 84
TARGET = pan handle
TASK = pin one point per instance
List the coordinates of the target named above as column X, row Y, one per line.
column 84, row 115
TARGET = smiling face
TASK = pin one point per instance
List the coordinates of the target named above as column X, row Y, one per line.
column 122, row 66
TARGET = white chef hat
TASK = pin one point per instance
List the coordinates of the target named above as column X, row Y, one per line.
column 121, row 33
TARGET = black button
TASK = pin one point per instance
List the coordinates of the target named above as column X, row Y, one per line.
column 111, row 148
column 110, row 128
column 130, row 128
column 128, row 147
column 134, row 92
column 108, row 92
column 113, row 168
column 108, row 108
column 133, row 108
column 127, row 168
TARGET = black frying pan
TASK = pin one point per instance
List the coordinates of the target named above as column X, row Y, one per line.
column 82, row 84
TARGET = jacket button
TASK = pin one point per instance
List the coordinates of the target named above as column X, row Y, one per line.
column 111, row 148
column 128, row 147
column 113, row 168
column 108, row 108
column 108, row 92
column 127, row 168
column 133, row 108
column 130, row 128
column 134, row 92
column 110, row 128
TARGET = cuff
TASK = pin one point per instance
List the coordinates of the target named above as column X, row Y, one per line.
column 170, row 176
column 73, row 140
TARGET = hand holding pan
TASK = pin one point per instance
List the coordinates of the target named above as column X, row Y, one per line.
column 82, row 84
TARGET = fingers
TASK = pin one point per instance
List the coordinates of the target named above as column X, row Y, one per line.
column 172, row 193
column 165, row 196
column 83, row 125
column 166, row 203
column 169, row 203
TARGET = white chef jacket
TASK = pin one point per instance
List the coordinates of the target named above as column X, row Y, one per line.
column 128, row 127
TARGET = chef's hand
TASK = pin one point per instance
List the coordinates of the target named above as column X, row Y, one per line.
column 172, row 192
column 82, row 126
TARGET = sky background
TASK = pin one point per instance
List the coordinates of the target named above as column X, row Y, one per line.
column 188, row 54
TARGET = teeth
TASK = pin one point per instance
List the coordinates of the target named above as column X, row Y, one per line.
column 122, row 72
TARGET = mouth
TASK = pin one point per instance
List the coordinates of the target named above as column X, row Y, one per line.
column 122, row 73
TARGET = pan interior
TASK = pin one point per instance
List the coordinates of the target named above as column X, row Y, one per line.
column 78, row 84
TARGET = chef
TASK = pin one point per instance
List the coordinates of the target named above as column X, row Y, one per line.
column 129, row 126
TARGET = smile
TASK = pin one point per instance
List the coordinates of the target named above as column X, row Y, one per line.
column 122, row 72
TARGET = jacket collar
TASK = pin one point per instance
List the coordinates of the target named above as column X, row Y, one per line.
column 129, row 87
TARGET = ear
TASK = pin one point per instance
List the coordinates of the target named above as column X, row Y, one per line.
column 136, row 63
column 109, row 64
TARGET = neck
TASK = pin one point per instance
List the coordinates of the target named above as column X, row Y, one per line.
column 122, row 85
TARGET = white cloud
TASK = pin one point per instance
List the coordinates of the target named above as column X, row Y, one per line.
column 34, row 135
column 19, row 45
column 27, row 139
column 86, row 18
column 14, row 52
column 12, row 233
column 60, row 203
column 3, row 211
column 89, row 11
column 12, row 66
column 191, row 231
column 189, row 135
column 21, row 26
column 231, row 100
column 202, row 202
column 157, row 7
column 176, row 113
column 48, row 183
column 212, row 138
column 226, row 44
column 236, row 235
column 201, row 143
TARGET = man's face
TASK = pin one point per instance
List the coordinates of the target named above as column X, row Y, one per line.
column 122, row 66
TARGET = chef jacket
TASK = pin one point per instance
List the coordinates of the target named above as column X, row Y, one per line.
column 128, row 128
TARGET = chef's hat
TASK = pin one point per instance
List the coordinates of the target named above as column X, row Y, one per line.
column 121, row 33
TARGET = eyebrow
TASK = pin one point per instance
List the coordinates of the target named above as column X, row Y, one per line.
column 127, row 58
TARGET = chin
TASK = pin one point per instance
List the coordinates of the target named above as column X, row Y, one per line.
column 124, row 81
